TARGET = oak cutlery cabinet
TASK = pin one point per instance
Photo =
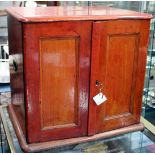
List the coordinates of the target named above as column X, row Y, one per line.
column 57, row 54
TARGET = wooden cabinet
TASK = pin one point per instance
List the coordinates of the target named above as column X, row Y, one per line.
column 58, row 54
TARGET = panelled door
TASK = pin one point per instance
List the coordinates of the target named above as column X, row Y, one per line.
column 57, row 65
column 118, row 62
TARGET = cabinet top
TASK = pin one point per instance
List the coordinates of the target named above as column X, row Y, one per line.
column 70, row 13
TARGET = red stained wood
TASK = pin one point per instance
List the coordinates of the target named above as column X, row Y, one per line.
column 14, row 35
column 70, row 13
column 65, row 50
column 16, row 77
column 59, row 60
column 35, row 147
column 120, row 48
column 57, row 94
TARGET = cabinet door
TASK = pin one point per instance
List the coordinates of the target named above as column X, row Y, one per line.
column 57, row 64
column 119, row 50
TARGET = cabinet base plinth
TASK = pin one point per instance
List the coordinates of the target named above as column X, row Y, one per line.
column 36, row 147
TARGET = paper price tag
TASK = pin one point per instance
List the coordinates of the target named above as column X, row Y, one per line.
column 99, row 98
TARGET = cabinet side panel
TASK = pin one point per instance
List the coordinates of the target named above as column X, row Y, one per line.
column 14, row 35
column 16, row 69
column 58, row 69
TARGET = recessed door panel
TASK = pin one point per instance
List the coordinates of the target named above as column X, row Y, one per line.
column 59, row 86
column 118, row 75
column 118, row 63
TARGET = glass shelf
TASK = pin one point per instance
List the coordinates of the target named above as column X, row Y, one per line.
column 148, row 109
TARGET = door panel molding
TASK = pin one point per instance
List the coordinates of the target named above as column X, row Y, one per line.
column 133, row 69
column 59, row 61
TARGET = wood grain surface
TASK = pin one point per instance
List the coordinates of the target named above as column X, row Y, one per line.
column 120, row 48
column 17, row 75
column 61, row 52
column 57, row 66
column 59, row 60
column 72, row 13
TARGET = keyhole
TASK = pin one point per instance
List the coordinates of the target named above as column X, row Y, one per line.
column 97, row 83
